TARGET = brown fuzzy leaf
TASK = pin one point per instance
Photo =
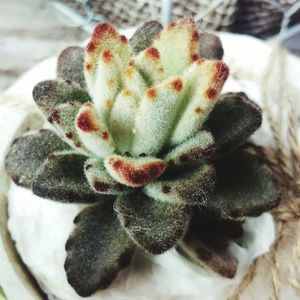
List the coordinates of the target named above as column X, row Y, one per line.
column 210, row 46
column 28, row 153
column 155, row 226
column 70, row 65
column 61, row 178
column 144, row 36
column 191, row 187
column 97, row 249
column 233, row 120
column 206, row 243
column 244, row 188
column 49, row 93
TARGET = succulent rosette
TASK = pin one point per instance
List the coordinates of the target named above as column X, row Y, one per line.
column 143, row 136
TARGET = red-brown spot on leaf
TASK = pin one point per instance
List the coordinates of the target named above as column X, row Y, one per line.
column 103, row 29
column 211, row 93
column 195, row 36
column 198, row 110
column 139, row 175
column 172, row 25
column 151, row 93
column 105, row 135
column 86, row 123
column 222, row 72
column 55, row 116
column 107, row 56
column 153, row 52
column 69, row 135
column 123, row 39
column 177, row 85
column 101, row 186
column 90, row 48
column 194, row 57
column 88, row 66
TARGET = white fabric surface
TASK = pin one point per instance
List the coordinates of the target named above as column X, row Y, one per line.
column 41, row 227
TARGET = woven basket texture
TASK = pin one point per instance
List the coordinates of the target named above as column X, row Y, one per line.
column 261, row 18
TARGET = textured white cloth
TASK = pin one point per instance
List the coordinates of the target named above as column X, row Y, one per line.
column 41, row 227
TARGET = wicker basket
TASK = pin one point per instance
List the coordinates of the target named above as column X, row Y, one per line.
column 261, row 18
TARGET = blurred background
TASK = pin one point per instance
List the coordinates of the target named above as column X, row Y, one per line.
column 32, row 30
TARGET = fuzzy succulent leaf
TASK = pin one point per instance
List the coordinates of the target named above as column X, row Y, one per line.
column 203, row 82
column 70, row 65
column 156, row 115
column 61, row 178
column 105, row 39
column 93, row 132
column 133, row 80
column 122, row 120
column 206, row 243
column 134, row 172
column 63, row 119
column 154, row 225
column 244, row 187
column 188, row 188
column 49, row 93
column 149, row 64
column 233, row 121
column 99, row 179
column 97, row 249
column 194, row 150
column 178, row 46
column 106, row 84
column 210, row 46
column 145, row 35
column 29, row 152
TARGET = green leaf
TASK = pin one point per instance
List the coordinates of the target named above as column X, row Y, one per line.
column 107, row 83
column 148, row 63
column 93, row 132
column 244, row 188
column 70, row 65
column 144, row 36
column 178, row 46
column 210, row 46
column 122, row 120
column 233, row 121
column 196, row 149
column 189, row 188
column 97, row 249
column 29, row 152
column 104, row 38
column 203, row 82
column 100, row 181
column 61, row 178
column 154, row 225
column 206, row 244
column 156, row 115
column 2, row 294
column 47, row 94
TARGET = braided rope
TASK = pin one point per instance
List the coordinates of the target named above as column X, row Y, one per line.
column 284, row 161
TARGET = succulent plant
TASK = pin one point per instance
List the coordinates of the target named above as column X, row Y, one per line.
column 143, row 136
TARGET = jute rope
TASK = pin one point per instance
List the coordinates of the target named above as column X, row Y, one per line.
column 284, row 161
